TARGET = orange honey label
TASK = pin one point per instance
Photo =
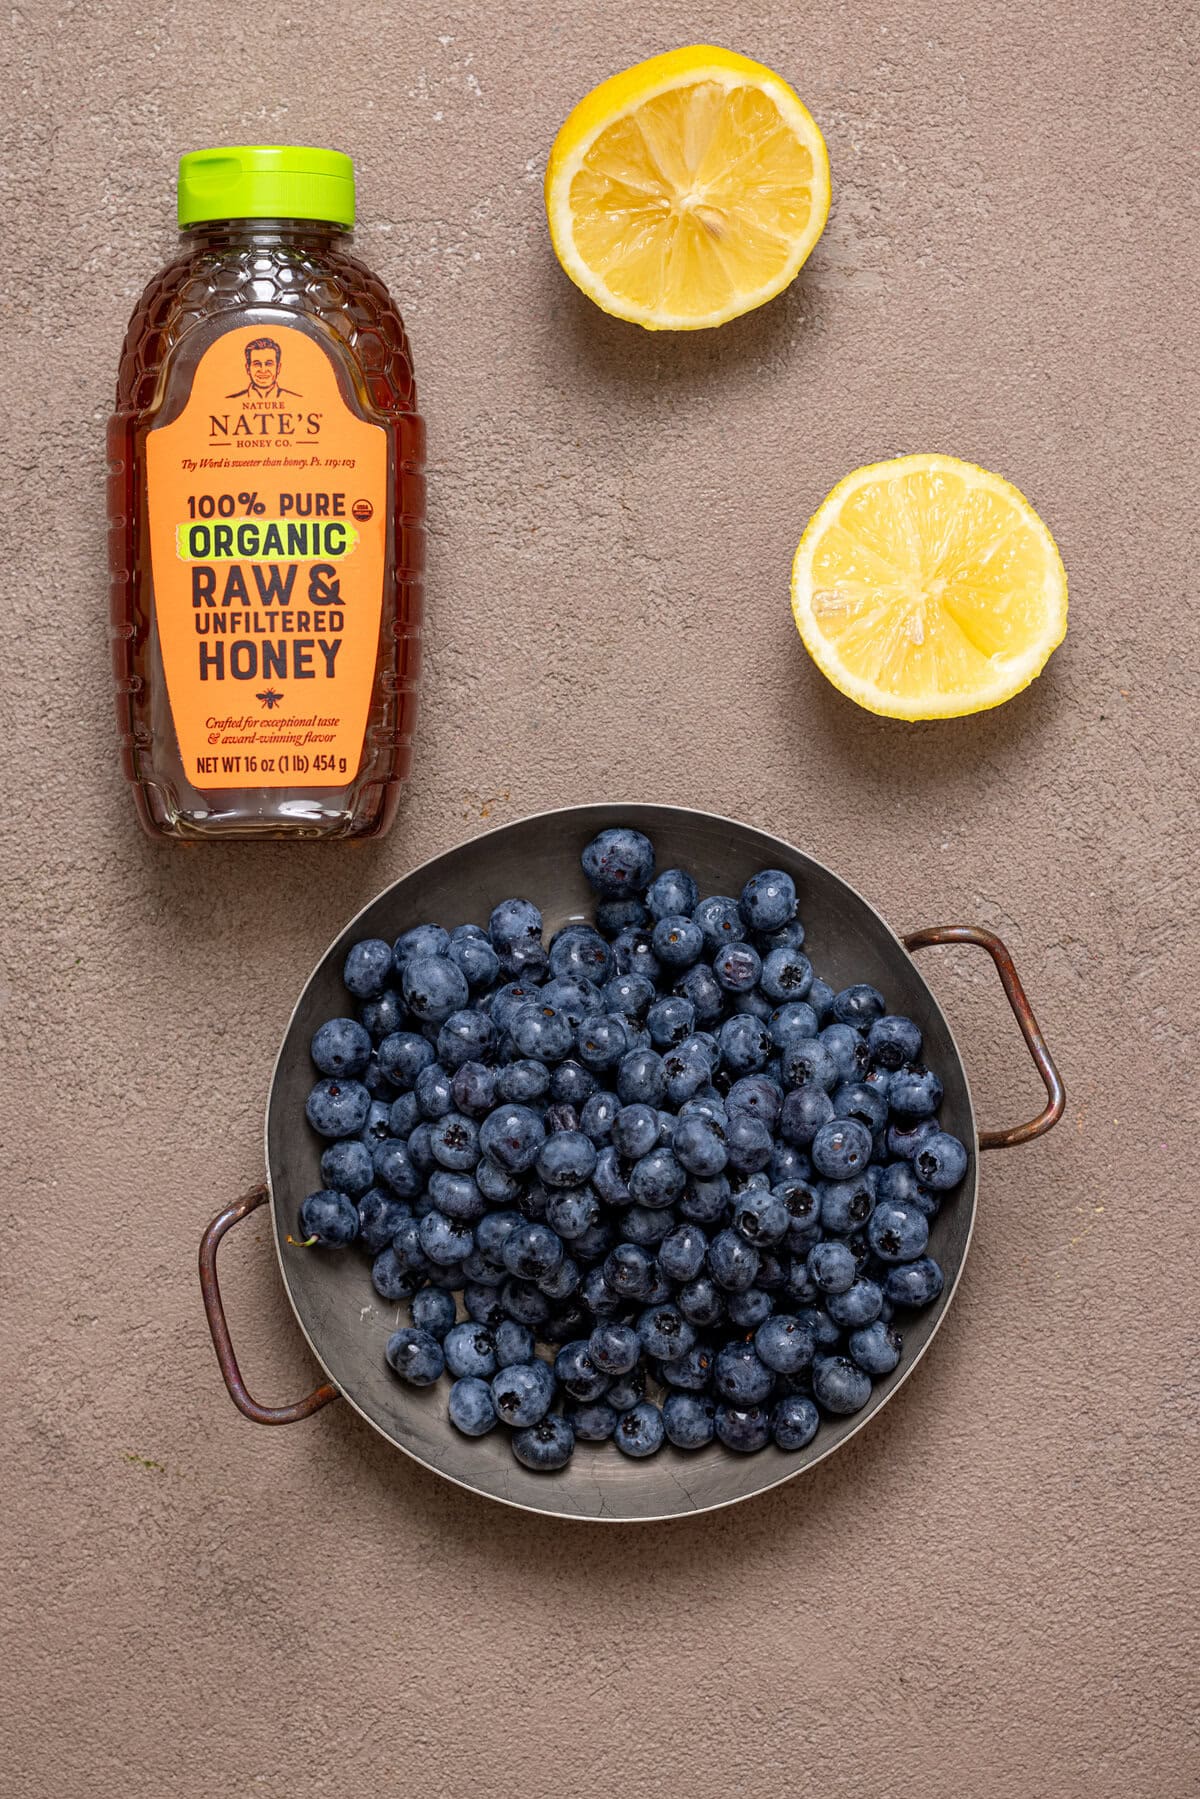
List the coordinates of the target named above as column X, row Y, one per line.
column 268, row 507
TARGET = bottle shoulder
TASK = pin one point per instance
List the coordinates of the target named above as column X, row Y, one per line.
column 319, row 282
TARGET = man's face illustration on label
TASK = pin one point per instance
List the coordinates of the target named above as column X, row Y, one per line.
column 264, row 368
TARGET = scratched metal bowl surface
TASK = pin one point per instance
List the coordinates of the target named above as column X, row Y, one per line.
column 345, row 1321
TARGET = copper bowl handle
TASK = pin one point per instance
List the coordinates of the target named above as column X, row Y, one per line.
column 1023, row 1013
column 218, row 1325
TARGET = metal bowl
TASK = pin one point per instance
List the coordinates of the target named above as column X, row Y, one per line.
column 345, row 1321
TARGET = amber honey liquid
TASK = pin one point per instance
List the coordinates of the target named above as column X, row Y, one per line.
column 255, row 695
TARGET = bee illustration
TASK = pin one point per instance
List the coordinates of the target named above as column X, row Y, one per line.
column 270, row 699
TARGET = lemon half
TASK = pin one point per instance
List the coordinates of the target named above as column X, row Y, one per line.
column 927, row 588
column 687, row 190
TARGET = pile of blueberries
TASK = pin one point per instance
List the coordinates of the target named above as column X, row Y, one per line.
column 661, row 1147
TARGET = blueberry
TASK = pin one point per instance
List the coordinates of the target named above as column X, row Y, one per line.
column 415, row 1356
column 471, row 1407
column 699, row 988
column 747, row 1143
column 847, row 1048
column 876, row 1347
column 897, row 1181
column 794, row 1421
column 739, row 1377
column 346, row 1166
column 514, row 924
column 457, row 1195
column 758, row 1096
column 806, row 1110
column 744, row 1430
column 665, row 1333
column 784, row 1343
column 688, row 1420
column 545, row 1446
column 786, row 976
column 841, row 1149
column 832, row 1266
column 639, row 1430
column 614, row 1348
column 566, row 1159
column 329, row 1218
column 380, row 1216
column 619, row 862
column 914, row 1283
column 864, row 1104
column 897, row 1233
column 670, row 1022
column 701, row 1302
column 341, row 1047
column 629, row 1272
column 435, row 1091
column 391, row 1279
column 737, row 967
column 720, row 922
column 514, row 1343
column 893, row 1041
column 772, row 1271
column 860, row 1304
column 840, row 1385
column 681, row 1254
column 507, row 1001
column 746, row 1311
column 641, row 1078
column 443, row 1239
column 378, row 1126
column 859, row 1005
column 433, row 1312
column 806, row 1062
column 572, row 1085
column 578, row 952
column 760, row 1216
column 657, row 1179
column 632, row 954
column 691, row 1371
column 594, row 1423
column 732, row 1262
column 687, row 1068
column 403, row 1055
column 532, row 1251
column 522, row 1392
column 473, row 954
column 699, row 1147
column 677, row 941
column 522, row 1083
column 940, row 1162
column 470, row 1352
column 466, row 1036
column 473, row 1089
column 616, row 915
column 847, row 1205
column 406, row 1243
column 628, row 995
column 598, row 1117
column 575, row 1370
column 512, row 1135
column 455, row 1142
column 904, row 1138
column 768, row 900
column 394, row 1167
column 745, row 1044
column 376, row 1081
column 608, row 1180
column 914, row 1092
column 705, row 1200
column 368, row 968
column 672, row 894
column 404, row 1115
column 338, row 1108
column 540, row 1033
column 383, row 1015
column 433, row 988
column 602, row 1040
column 561, row 1282
column 791, row 1023
column 572, row 1211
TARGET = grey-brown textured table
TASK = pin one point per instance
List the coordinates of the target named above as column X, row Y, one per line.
column 990, row 1591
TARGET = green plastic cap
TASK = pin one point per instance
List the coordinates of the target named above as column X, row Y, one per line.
column 266, row 181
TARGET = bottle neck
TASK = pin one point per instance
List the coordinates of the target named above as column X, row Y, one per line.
column 226, row 234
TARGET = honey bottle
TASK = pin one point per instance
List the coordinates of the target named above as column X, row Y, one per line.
column 267, row 515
